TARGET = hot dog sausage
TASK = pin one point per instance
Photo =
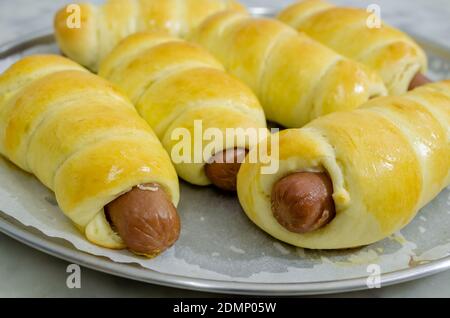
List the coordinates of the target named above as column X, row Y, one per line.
column 223, row 168
column 418, row 80
column 145, row 219
column 302, row 202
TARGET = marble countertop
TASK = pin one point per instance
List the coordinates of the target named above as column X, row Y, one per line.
column 25, row 272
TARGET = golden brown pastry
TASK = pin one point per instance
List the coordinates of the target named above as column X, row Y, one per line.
column 102, row 27
column 85, row 141
column 175, row 84
column 295, row 78
column 353, row 178
column 392, row 53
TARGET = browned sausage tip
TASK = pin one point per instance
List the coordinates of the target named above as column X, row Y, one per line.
column 223, row 168
column 418, row 80
column 302, row 202
column 145, row 219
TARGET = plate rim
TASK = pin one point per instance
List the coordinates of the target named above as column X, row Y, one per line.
column 44, row 243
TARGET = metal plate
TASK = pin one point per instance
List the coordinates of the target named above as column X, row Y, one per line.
column 231, row 255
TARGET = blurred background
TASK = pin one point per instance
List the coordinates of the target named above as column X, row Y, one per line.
column 25, row 272
column 429, row 18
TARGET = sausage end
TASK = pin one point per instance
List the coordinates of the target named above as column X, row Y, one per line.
column 302, row 202
column 146, row 220
column 223, row 168
column 418, row 80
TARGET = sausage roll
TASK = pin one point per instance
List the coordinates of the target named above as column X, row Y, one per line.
column 353, row 178
column 87, row 32
column 175, row 84
column 295, row 78
column 392, row 53
column 85, row 141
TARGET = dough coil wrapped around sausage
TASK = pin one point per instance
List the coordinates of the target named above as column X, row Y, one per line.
column 102, row 27
column 81, row 138
column 175, row 84
column 385, row 160
column 295, row 78
column 396, row 56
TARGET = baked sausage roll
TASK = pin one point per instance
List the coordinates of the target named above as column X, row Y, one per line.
column 85, row 141
column 295, row 78
column 175, row 84
column 392, row 53
column 353, row 178
column 102, row 27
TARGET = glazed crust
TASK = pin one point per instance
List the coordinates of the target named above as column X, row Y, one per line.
column 386, row 161
column 104, row 26
column 81, row 138
column 296, row 78
column 174, row 84
column 392, row 53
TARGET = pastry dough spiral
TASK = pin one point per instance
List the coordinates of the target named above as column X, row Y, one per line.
column 173, row 84
column 395, row 55
column 81, row 138
column 103, row 27
column 386, row 161
column 295, row 78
